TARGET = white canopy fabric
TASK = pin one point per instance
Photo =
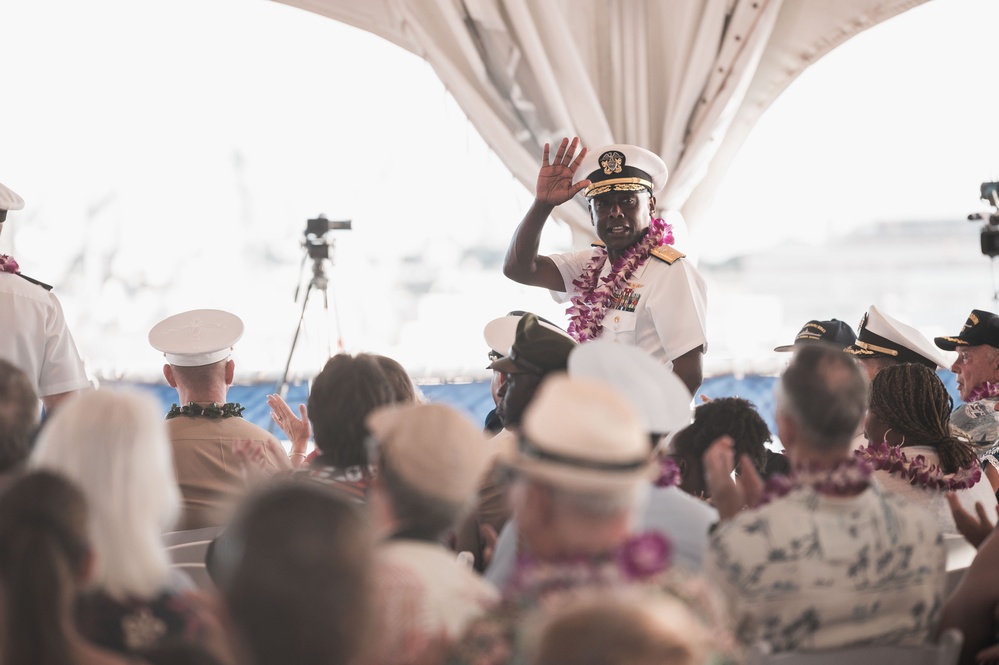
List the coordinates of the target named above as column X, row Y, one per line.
column 685, row 78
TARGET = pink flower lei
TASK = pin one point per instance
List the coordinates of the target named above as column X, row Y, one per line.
column 669, row 473
column 642, row 556
column 595, row 293
column 984, row 391
column 886, row 457
column 847, row 478
column 8, row 264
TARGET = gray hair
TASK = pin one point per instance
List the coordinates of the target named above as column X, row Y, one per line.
column 824, row 393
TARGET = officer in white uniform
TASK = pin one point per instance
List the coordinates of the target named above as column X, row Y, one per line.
column 33, row 332
column 633, row 287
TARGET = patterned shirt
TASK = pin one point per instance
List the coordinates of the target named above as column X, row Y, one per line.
column 134, row 625
column 810, row 571
column 980, row 421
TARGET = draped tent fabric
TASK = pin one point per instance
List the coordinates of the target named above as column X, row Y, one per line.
column 687, row 79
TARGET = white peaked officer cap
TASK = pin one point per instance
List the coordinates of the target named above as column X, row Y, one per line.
column 658, row 395
column 621, row 168
column 198, row 337
column 9, row 200
column 881, row 336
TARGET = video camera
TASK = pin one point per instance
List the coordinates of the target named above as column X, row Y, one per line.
column 316, row 240
column 990, row 232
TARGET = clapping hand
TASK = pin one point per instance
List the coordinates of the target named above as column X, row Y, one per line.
column 730, row 496
column 298, row 430
column 975, row 528
column 555, row 179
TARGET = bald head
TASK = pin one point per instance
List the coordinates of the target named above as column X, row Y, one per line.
column 205, row 383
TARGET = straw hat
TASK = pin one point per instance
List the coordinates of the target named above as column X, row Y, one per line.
column 579, row 435
column 434, row 448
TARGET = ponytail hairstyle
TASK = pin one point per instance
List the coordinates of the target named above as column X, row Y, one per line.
column 912, row 400
column 43, row 554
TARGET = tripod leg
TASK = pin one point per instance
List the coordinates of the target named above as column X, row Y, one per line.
column 336, row 318
column 282, row 386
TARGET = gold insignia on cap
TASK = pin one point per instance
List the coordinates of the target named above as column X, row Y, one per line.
column 956, row 340
column 855, row 351
column 611, row 162
column 617, row 185
column 876, row 349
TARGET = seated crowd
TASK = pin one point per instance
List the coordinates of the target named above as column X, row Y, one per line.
column 604, row 521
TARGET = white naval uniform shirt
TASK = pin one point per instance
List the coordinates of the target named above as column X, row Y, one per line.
column 663, row 310
column 35, row 338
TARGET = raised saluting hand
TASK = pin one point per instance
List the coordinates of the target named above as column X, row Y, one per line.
column 555, row 179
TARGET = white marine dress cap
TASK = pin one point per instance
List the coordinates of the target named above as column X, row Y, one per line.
column 197, row 337
column 655, row 392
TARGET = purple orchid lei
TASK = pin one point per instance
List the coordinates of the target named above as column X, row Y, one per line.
column 669, row 473
column 984, row 391
column 595, row 293
column 8, row 264
column 885, row 457
column 640, row 558
column 847, row 478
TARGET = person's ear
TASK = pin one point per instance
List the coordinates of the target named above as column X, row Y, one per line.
column 652, row 206
column 230, row 372
column 168, row 375
column 87, row 568
column 787, row 430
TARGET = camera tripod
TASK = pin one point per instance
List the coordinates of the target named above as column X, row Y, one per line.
column 318, row 283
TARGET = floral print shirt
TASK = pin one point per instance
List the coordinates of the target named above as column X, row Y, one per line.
column 812, row 571
column 980, row 421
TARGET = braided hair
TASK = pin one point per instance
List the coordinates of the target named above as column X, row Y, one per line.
column 912, row 400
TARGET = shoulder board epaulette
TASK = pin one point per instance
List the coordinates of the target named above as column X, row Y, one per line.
column 34, row 281
column 663, row 252
column 667, row 253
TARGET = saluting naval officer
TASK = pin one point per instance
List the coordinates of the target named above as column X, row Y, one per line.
column 33, row 332
column 632, row 287
column 198, row 346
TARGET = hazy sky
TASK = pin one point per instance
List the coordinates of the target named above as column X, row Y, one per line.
column 898, row 123
column 169, row 150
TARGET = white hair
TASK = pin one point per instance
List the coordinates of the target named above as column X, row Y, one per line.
column 113, row 444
